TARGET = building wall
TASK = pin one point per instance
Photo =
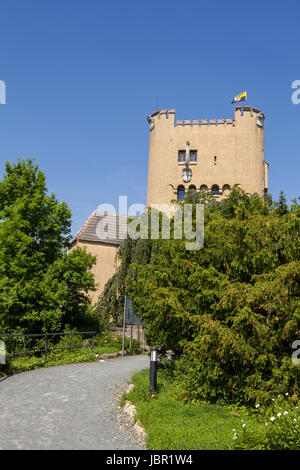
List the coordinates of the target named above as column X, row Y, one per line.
column 106, row 263
column 237, row 143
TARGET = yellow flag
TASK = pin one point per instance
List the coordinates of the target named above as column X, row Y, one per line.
column 240, row 97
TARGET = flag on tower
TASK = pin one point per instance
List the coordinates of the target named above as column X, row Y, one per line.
column 240, row 97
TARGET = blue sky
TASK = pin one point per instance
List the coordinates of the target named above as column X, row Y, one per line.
column 82, row 75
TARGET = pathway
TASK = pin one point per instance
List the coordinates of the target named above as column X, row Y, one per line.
column 66, row 407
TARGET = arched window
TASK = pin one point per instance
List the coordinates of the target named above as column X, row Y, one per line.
column 226, row 188
column 215, row 191
column 180, row 193
column 192, row 187
column 203, row 187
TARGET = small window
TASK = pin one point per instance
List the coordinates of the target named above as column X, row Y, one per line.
column 180, row 193
column 215, row 160
column 203, row 187
column 192, row 187
column 193, row 155
column 215, row 191
column 181, row 156
column 226, row 187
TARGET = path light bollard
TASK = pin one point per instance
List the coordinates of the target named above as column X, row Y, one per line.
column 153, row 369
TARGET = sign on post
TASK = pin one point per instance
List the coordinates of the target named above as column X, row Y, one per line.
column 130, row 318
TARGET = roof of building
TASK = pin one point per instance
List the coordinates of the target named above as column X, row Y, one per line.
column 103, row 227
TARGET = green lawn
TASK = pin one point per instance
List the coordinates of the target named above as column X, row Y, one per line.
column 173, row 425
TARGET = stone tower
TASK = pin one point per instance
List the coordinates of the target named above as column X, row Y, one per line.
column 213, row 155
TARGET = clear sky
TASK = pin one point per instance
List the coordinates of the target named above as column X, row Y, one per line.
column 82, row 75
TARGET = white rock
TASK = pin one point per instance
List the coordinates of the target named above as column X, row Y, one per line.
column 139, row 430
column 130, row 388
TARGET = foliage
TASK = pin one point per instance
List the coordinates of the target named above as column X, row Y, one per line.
column 41, row 287
column 275, row 428
column 110, row 307
column 23, row 364
column 103, row 344
column 107, row 343
column 231, row 310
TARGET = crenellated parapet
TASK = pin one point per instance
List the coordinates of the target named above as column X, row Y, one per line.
column 169, row 116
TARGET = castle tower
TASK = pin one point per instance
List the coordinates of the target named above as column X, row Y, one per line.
column 220, row 154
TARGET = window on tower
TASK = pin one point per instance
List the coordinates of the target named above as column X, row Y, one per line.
column 181, row 156
column 193, row 155
column 215, row 191
column 180, row 193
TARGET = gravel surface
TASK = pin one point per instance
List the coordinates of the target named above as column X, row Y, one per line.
column 74, row 406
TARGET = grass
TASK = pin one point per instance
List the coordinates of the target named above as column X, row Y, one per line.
column 171, row 424
column 174, row 425
column 107, row 344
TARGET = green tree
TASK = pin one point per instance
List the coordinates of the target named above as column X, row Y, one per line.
column 41, row 287
column 231, row 310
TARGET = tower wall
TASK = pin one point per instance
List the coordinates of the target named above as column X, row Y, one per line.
column 237, row 144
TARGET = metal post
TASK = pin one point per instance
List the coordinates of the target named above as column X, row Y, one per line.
column 153, row 369
column 93, row 343
column 123, row 344
column 130, row 344
column 24, row 345
column 46, row 346
column 143, row 331
column 138, row 338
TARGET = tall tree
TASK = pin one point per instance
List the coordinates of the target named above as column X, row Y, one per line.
column 38, row 282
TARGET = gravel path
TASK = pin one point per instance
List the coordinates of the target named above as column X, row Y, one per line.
column 68, row 407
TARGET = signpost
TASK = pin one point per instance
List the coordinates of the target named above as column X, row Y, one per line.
column 130, row 318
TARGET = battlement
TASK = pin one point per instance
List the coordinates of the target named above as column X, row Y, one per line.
column 170, row 115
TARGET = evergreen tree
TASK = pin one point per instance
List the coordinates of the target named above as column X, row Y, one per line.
column 231, row 310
